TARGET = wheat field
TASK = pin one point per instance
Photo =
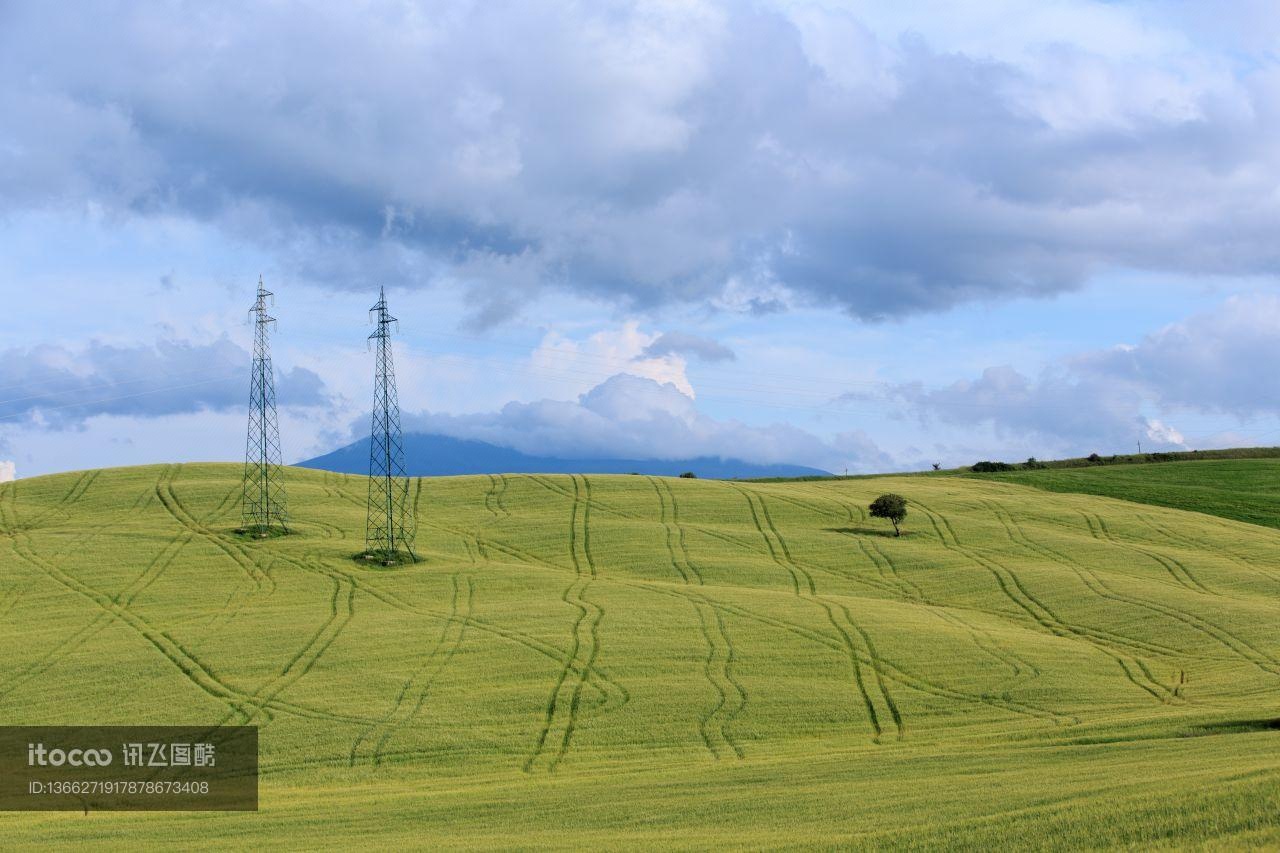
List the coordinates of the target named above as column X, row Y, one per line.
column 627, row 661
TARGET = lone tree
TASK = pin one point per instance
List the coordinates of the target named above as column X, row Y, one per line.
column 892, row 507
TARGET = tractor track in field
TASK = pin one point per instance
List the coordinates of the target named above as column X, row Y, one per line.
column 633, row 516
column 838, row 615
column 500, row 494
column 73, row 494
column 518, row 554
column 437, row 661
column 713, row 725
column 1012, row 586
column 240, row 593
column 849, row 508
column 563, row 706
column 888, row 571
column 893, row 671
column 341, row 612
column 612, row 693
column 256, row 574
column 804, row 505
column 1177, row 570
column 125, row 598
column 224, row 506
column 8, row 515
column 199, row 673
column 10, row 601
column 555, row 488
column 417, row 499
column 682, row 568
column 983, row 639
column 1249, row 565
column 524, row 557
column 843, row 610
column 1236, row 644
column 881, row 584
column 908, row 679
column 490, row 498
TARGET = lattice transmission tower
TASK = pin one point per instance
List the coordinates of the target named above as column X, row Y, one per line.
column 391, row 527
column 264, row 507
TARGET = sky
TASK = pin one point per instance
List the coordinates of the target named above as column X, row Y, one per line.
column 853, row 235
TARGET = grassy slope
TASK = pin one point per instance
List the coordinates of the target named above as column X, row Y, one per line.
column 629, row 661
column 1244, row 490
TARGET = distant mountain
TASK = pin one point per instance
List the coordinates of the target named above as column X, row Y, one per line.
column 439, row 455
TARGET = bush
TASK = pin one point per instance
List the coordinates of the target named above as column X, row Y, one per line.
column 986, row 467
column 689, row 475
column 1094, row 459
column 1033, row 463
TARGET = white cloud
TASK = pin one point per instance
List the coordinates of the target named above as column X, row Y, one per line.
column 8, row 471
column 1215, row 362
column 609, row 350
column 630, row 416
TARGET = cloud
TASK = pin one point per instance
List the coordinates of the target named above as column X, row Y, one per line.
column 1215, row 362
column 1066, row 411
column 61, row 387
column 607, row 350
column 635, row 417
column 1218, row 361
column 8, row 471
column 642, row 154
column 682, row 343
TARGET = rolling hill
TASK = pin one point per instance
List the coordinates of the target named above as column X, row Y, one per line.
column 1240, row 489
column 611, row 661
column 428, row 455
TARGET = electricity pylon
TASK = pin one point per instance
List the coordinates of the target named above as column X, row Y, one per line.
column 264, row 506
column 390, row 526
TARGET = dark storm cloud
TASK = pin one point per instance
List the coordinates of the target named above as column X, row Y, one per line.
column 641, row 153
column 63, row 388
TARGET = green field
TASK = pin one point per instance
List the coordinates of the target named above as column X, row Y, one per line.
column 621, row 661
column 1240, row 489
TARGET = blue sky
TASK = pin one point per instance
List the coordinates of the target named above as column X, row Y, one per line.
column 850, row 235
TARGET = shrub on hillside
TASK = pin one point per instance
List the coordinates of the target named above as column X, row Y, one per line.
column 689, row 475
column 987, row 467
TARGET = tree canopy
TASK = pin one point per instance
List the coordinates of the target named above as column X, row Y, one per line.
column 890, row 506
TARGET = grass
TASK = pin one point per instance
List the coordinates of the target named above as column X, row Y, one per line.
column 1241, row 489
column 1161, row 457
column 620, row 661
